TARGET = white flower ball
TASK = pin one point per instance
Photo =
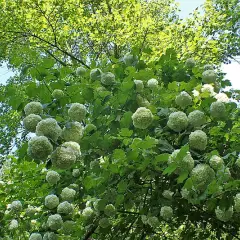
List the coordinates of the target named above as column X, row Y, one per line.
column 87, row 212
column 142, row 118
column 80, row 71
column 51, row 201
column 49, row 128
column 196, row 118
column 218, row 110
column 208, row 67
column 110, row 210
column 77, row 112
column 139, row 85
column 198, row 140
column 72, row 132
column 166, row 212
column 202, row 175
column 13, row 225
column 224, row 215
column 76, row 173
column 177, row 121
column 30, row 122
column 153, row 222
column 52, row 177
column 95, row 74
column 237, row 202
column 224, row 174
column 104, row 223
column 196, row 93
column 50, row 236
column 209, row 76
column 39, row 148
column 107, row 78
column 16, row 206
column 190, row 63
column 68, row 194
column 35, row 236
column 68, row 227
column 57, row 94
column 208, row 90
column 185, row 193
column 129, row 59
column 33, row 108
column 168, row 194
column 222, row 97
column 216, row 162
column 74, row 146
column 65, row 208
column 63, row 157
column 55, row 222
column 30, row 211
column 183, row 99
column 152, row 83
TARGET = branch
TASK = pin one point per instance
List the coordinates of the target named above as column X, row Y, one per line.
column 58, row 60
column 90, row 232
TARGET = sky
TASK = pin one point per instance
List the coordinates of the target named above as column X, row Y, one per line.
column 186, row 6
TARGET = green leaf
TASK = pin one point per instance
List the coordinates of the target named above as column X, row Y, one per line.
column 170, row 169
column 125, row 132
column 182, row 177
column 162, row 158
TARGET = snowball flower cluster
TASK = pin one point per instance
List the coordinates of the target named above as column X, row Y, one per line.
column 237, row 202
column 80, row 71
column 198, row 140
column 68, row 194
column 74, row 146
column 87, row 212
column 55, row 222
column 185, row 193
column 65, row 208
column 190, row 63
column 166, row 212
column 208, row 67
column 196, row 118
column 209, row 76
column 57, row 94
column 222, row 97
column 104, row 223
column 168, row 194
column 139, row 85
column 35, row 236
column 142, row 118
column 51, row 201
column 95, row 74
column 202, row 175
column 208, row 89
column 107, row 78
column 183, row 99
column 177, row 121
column 72, row 132
column 33, row 108
column 30, row 211
column 76, row 173
column 153, row 222
column 152, row 83
column 224, row 174
column 52, row 177
column 49, row 128
column 16, row 206
column 68, row 227
column 196, row 93
column 50, row 236
column 218, row 110
column 30, row 122
column 63, row 157
column 110, row 210
column 216, row 162
column 13, row 225
column 224, row 215
column 77, row 112
column 129, row 59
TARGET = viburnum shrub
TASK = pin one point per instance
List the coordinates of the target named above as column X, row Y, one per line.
column 116, row 151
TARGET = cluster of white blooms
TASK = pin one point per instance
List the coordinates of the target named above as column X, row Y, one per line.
column 13, row 225
column 201, row 176
column 209, row 76
column 107, row 78
column 63, row 157
column 72, row 132
column 50, row 236
column 224, row 215
column 129, row 59
column 237, row 202
column 57, row 94
column 216, row 162
column 139, row 85
column 166, row 212
column 142, row 102
column 51, row 201
column 198, row 140
column 49, row 128
column 223, row 174
column 52, row 177
column 104, row 223
column 168, row 194
column 177, row 121
column 208, row 67
column 55, row 222
column 16, row 206
column 39, row 148
column 68, row 194
column 190, row 63
column 74, row 146
column 95, row 74
column 208, row 89
column 185, row 193
column 80, row 71
column 218, row 110
column 68, row 227
column 30, row 122
column 152, row 83
column 222, row 97
column 65, row 208
column 153, row 222
column 183, row 99
column 35, row 236
column 196, row 93
column 76, row 173
column 110, row 210
column 77, row 112
column 196, row 118
column 30, row 211
column 142, row 118
column 33, row 108
column 184, row 164
column 87, row 212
